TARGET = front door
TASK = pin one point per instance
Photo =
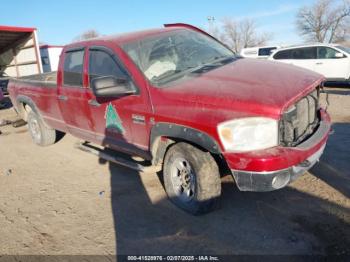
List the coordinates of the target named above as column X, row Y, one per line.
column 117, row 119
column 331, row 66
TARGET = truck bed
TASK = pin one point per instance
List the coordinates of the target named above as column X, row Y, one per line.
column 40, row 93
column 48, row 80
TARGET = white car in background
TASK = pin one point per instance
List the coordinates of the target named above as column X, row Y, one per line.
column 330, row 60
column 258, row 52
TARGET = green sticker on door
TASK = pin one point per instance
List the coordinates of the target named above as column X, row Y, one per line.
column 113, row 121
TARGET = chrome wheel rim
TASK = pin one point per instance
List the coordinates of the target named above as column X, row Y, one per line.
column 34, row 129
column 183, row 179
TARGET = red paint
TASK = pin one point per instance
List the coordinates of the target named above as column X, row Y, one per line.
column 17, row 29
column 244, row 88
column 275, row 158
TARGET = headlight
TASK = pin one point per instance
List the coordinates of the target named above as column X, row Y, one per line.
column 248, row 134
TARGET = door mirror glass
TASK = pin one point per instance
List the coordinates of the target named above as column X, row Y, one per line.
column 110, row 86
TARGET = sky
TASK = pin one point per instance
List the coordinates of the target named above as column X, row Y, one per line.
column 59, row 22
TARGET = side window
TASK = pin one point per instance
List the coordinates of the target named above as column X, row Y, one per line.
column 304, row 53
column 284, row 54
column 324, row 52
column 266, row 51
column 103, row 64
column 45, row 60
column 73, row 68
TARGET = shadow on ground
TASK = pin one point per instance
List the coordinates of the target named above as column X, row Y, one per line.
column 282, row 222
column 287, row 221
column 334, row 166
column 344, row 92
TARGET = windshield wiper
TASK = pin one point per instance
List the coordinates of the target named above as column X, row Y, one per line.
column 218, row 61
column 169, row 76
column 204, row 68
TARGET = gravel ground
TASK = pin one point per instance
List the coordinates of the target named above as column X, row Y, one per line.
column 58, row 200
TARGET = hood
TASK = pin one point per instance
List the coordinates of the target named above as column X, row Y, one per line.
column 257, row 87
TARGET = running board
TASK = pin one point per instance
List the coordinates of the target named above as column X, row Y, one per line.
column 86, row 147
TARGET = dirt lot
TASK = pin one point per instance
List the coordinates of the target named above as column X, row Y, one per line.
column 59, row 200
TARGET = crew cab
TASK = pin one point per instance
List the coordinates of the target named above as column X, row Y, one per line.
column 179, row 98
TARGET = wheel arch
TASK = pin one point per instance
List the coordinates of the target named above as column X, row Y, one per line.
column 24, row 105
column 165, row 134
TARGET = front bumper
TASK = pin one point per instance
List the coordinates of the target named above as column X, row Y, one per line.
column 269, row 181
column 271, row 169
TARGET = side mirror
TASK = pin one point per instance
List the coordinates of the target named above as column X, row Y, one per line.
column 339, row 55
column 110, row 86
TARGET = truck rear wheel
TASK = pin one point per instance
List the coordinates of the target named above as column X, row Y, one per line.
column 40, row 134
column 191, row 178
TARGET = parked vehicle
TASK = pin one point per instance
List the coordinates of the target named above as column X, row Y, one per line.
column 258, row 52
column 332, row 61
column 177, row 97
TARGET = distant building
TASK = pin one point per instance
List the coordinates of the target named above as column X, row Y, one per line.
column 50, row 55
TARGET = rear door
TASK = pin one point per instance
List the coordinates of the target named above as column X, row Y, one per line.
column 72, row 95
column 331, row 66
column 304, row 57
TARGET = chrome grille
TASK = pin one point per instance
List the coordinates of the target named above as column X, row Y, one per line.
column 300, row 120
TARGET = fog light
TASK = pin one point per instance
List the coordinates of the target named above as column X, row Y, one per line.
column 281, row 180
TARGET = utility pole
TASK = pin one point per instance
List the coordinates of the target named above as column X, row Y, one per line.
column 211, row 26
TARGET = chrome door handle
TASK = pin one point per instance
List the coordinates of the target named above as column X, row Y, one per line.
column 319, row 63
column 62, row 98
column 93, row 102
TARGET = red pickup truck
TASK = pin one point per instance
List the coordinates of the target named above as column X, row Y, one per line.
column 176, row 96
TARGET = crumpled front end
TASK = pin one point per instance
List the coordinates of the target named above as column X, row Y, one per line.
column 303, row 132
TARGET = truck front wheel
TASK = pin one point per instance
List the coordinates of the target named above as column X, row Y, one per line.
column 41, row 135
column 191, row 178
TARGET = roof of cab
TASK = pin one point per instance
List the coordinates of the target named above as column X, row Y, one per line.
column 124, row 38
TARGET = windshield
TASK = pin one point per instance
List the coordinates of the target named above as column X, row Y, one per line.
column 345, row 49
column 170, row 56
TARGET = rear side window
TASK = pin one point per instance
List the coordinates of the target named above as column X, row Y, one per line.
column 304, row 53
column 103, row 64
column 266, row 51
column 73, row 68
column 284, row 54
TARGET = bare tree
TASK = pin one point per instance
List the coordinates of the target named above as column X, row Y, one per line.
column 92, row 33
column 325, row 21
column 242, row 34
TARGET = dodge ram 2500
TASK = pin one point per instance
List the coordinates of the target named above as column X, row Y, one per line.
column 179, row 98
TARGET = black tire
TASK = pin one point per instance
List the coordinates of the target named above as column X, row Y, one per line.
column 204, row 170
column 41, row 135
